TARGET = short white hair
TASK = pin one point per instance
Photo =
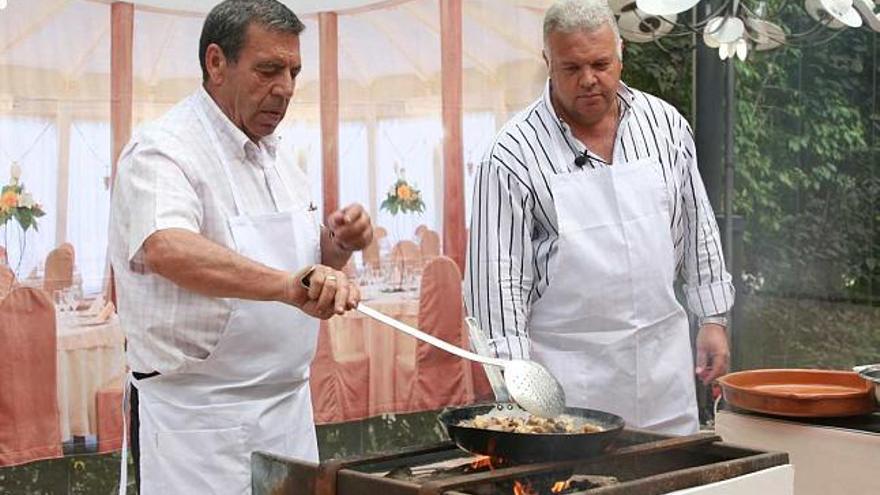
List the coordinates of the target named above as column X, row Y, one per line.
column 569, row 16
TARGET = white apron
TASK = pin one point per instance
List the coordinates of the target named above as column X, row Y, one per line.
column 199, row 426
column 609, row 326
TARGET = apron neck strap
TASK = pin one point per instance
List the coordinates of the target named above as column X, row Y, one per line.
column 215, row 143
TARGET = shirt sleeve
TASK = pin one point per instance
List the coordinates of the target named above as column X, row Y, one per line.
column 157, row 193
column 498, row 275
column 707, row 284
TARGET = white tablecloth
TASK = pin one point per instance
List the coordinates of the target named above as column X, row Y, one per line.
column 89, row 358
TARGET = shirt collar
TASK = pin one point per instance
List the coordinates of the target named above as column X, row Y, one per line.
column 232, row 139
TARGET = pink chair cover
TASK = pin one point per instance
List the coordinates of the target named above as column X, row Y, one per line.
column 420, row 229
column 30, row 427
column 7, row 279
column 408, row 253
column 436, row 378
column 340, row 384
column 59, row 269
column 429, row 245
column 108, row 416
column 379, row 233
column 4, row 260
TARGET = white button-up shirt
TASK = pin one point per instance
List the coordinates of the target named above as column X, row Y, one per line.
column 170, row 176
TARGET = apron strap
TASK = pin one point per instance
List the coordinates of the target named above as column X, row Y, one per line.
column 126, row 408
column 212, row 135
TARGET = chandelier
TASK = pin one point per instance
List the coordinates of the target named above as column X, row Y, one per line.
column 739, row 26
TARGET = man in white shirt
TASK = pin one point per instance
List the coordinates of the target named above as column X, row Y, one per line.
column 222, row 266
column 587, row 208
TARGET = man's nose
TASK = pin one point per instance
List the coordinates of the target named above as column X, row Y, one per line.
column 587, row 78
column 285, row 86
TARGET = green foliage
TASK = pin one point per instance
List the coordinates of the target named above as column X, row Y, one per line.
column 806, row 178
column 662, row 69
column 16, row 204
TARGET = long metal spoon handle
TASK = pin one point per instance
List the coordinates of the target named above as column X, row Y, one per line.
column 430, row 339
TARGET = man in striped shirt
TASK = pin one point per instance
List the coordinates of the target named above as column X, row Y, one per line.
column 587, row 208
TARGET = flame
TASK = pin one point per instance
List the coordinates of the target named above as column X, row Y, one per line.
column 482, row 462
column 560, row 486
column 523, row 488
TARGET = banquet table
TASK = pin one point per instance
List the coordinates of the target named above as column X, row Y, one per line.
column 90, row 356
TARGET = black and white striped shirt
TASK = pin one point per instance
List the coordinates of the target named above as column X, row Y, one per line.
column 513, row 229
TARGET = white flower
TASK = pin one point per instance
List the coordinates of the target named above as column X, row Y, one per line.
column 15, row 172
column 27, row 200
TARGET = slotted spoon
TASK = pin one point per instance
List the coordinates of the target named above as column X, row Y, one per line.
column 530, row 385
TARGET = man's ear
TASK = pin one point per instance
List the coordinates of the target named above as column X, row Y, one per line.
column 546, row 59
column 215, row 64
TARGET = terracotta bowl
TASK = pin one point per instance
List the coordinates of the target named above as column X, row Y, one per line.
column 799, row 393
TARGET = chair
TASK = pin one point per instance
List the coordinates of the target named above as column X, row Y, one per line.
column 7, row 279
column 4, row 259
column 59, row 269
column 30, row 428
column 340, row 384
column 429, row 245
column 420, row 229
column 408, row 253
column 433, row 378
column 108, row 416
column 379, row 233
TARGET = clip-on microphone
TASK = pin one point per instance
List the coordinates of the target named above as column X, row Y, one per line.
column 581, row 160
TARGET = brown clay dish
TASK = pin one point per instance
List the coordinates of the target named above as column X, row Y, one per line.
column 798, row 392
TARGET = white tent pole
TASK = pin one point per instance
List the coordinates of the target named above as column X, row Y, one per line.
column 62, row 123
column 372, row 165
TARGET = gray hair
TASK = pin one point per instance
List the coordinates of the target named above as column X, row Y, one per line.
column 227, row 23
column 569, row 16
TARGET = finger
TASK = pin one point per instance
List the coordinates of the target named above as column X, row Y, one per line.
column 336, row 219
column 328, row 294
column 353, row 212
column 341, row 295
column 354, row 297
column 701, row 361
column 316, row 283
column 720, row 364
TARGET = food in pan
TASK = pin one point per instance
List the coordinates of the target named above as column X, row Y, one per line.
column 530, row 424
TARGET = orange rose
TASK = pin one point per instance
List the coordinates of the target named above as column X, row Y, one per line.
column 404, row 192
column 8, row 200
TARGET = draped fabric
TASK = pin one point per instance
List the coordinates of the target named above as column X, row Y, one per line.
column 30, row 429
column 438, row 378
column 59, row 269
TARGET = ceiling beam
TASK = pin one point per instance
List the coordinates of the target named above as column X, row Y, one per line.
column 40, row 21
column 80, row 65
column 160, row 55
column 512, row 39
column 399, row 45
column 426, row 21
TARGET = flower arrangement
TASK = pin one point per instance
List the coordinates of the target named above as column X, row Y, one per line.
column 402, row 196
column 18, row 204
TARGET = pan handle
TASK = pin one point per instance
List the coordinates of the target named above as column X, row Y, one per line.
column 429, row 339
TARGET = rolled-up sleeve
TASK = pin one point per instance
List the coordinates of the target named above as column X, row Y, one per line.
column 707, row 284
column 157, row 194
column 498, row 276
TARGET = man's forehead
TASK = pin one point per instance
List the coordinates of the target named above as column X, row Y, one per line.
column 261, row 39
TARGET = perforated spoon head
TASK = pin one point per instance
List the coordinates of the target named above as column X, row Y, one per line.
column 534, row 388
